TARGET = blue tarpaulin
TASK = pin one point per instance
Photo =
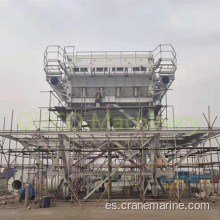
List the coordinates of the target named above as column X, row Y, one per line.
column 31, row 192
column 8, row 172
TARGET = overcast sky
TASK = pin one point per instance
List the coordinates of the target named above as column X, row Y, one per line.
column 192, row 27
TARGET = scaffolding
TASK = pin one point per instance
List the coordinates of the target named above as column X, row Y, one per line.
column 136, row 157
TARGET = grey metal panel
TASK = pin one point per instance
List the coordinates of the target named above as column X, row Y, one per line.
column 114, row 81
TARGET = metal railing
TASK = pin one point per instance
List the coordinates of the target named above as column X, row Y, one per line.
column 57, row 58
column 165, row 60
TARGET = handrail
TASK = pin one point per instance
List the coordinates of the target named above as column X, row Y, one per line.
column 59, row 51
column 162, row 53
column 165, row 53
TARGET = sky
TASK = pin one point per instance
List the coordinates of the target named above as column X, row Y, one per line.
column 28, row 27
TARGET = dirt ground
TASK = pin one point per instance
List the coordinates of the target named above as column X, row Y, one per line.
column 98, row 211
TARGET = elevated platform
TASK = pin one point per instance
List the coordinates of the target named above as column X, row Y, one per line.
column 120, row 76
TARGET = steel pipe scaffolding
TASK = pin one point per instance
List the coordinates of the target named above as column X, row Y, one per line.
column 108, row 136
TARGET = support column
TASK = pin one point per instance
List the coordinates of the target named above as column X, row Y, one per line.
column 109, row 177
column 154, row 156
column 154, row 152
column 26, row 195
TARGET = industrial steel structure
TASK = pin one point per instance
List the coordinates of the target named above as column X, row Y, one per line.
column 108, row 135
